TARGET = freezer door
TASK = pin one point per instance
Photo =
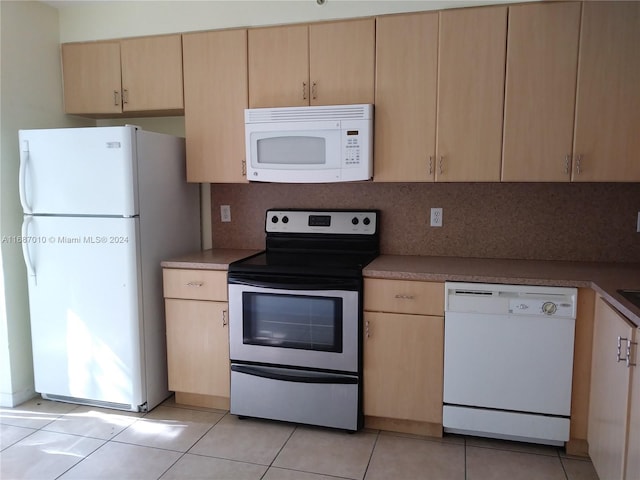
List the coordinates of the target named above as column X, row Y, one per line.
column 79, row 171
column 85, row 316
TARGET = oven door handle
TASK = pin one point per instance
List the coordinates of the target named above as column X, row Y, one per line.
column 297, row 283
column 298, row 377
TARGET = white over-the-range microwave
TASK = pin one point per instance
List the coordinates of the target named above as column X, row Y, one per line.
column 331, row 143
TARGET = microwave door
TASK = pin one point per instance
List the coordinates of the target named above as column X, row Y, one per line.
column 296, row 152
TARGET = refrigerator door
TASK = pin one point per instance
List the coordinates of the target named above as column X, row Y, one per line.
column 79, row 171
column 85, row 316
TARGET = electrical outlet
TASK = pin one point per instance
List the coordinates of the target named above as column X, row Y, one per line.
column 225, row 213
column 436, row 217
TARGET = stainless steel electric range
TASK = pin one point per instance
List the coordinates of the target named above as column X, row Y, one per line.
column 295, row 318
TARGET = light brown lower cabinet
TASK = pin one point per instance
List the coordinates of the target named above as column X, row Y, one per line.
column 198, row 346
column 197, row 319
column 403, row 356
column 614, row 412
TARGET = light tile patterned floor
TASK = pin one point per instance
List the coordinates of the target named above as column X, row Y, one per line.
column 43, row 440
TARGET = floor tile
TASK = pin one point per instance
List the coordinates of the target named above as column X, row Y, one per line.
column 275, row 473
column 410, row 458
column 327, row 452
column 93, row 422
column 45, row 455
column 171, row 402
column 513, row 446
column 34, row 413
column 493, row 464
column 579, row 469
column 249, row 440
column 191, row 467
column 10, row 434
column 123, row 462
column 170, row 428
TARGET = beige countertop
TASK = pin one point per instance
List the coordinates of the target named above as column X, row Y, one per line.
column 605, row 278
column 216, row 259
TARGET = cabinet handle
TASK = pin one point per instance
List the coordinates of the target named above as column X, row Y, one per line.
column 441, row 164
column 430, row 165
column 366, row 329
column 567, row 163
column 244, row 167
column 304, row 90
column 314, row 90
column 627, row 349
column 579, row 164
column 405, row 297
column 195, row 284
column 125, row 96
column 225, row 321
column 116, row 100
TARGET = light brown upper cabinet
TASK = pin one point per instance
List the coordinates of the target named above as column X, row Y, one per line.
column 405, row 97
column 542, row 54
column 607, row 139
column 320, row 64
column 126, row 76
column 215, row 79
column 472, row 52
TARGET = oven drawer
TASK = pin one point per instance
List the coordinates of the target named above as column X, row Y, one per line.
column 195, row 284
column 403, row 296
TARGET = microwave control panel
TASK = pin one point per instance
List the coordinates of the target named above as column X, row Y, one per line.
column 352, row 147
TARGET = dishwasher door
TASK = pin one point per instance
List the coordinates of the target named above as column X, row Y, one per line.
column 508, row 361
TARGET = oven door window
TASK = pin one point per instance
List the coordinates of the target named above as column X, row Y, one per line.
column 293, row 321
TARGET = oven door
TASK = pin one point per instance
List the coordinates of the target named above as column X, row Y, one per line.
column 295, row 321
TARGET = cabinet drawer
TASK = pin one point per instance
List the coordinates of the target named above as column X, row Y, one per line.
column 402, row 296
column 195, row 284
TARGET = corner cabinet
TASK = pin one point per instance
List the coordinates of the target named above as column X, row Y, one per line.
column 403, row 355
column 320, row 64
column 215, row 96
column 614, row 412
column 196, row 311
column 133, row 76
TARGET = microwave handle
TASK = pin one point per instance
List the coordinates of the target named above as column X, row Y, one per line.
column 297, row 283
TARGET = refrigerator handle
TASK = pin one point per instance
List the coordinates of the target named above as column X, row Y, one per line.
column 24, row 156
column 25, row 246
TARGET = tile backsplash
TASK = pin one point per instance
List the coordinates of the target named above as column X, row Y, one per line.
column 546, row 221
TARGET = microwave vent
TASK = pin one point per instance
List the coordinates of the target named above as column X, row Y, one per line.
column 309, row 114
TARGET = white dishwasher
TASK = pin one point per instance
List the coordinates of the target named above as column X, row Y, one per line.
column 508, row 361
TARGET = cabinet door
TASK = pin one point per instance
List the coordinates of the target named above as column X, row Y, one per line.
column 279, row 66
column 91, row 77
column 152, row 74
column 403, row 366
column 342, row 58
column 542, row 53
column 609, row 393
column 406, row 75
column 471, row 94
column 198, row 347
column 607, row 143
column 216, row 90
column 633, row 440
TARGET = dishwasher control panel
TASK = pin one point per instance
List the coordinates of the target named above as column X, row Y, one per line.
column 500, row 299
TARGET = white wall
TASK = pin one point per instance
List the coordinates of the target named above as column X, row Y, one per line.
column 96, row 20
column 30, row 93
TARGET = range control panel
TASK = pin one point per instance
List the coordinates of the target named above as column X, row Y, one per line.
column 348, row 222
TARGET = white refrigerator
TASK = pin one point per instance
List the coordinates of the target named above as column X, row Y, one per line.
column 103, row 206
